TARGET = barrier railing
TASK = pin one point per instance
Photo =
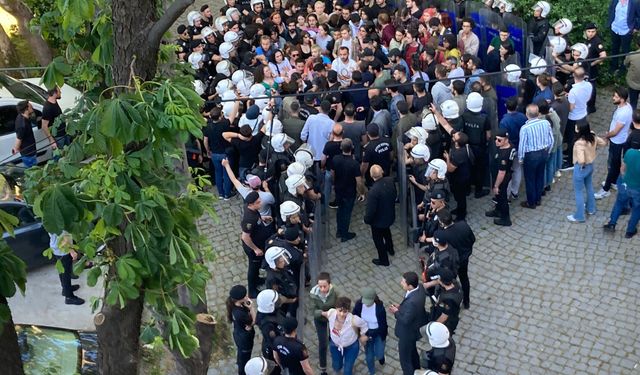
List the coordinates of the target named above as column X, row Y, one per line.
column 402, row 190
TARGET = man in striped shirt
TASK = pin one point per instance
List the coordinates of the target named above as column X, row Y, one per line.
column 535, row 141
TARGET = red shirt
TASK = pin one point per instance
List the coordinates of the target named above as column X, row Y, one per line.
column 388, row 32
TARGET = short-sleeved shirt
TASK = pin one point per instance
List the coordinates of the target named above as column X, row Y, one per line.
column 632, row 174
column 331, row 149
column 346, row 169
column 50, row 111
column 579, row 95
column 248, row 150
column 354, row 131
column 503, row 161
column 449, row 304
column 24, row 132
column 251, row 224
column 378, row 151
column 460, row 157
column 241, row 318
column 622, row 115
column 476, row 125
column 213, row 131
column 291, row 352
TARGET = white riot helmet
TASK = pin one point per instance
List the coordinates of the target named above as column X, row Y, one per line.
column 266, row 301
column 206, row 31
column 195, row 58
column 228, row 95
column 255, row 2
column 429, row 122
column 257, row 91
column 558, row 44
column 224, row 68
column 231, row 37
column 296, row 168
column 280, row 140
column 293, row 181
column 563, row 26
column 219, row 23
column 257, row 366
column 304, row 155
column 262, row 102
column 474, row 102
column 224, row 86
column 438, row 334
column 272, row 128
column 198, row 86
column 226, row 49
column 582, row 48
column 538, row 65
column 243, row 87
column 513, row 73
column 420, row 151
column 438, row 165
column 450, row 109
column 419, row 133
column 544, row 7
column 239, row 75
column 508, row 6
column 229, row 13
column 274, row 253
column 193, row 16
column 288, row 208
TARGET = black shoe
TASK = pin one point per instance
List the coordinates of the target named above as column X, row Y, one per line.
column 566, row 167
column 492, row 213
column 512, row 197
column 494, row 200
column 525, row 204
column 348, row 236
column 480, row 194
column 625, row 211
column 608, row 227
column 377, row 262
column 544, row 192
column 630, row 234
column 538, row 203
column 73, row 288
column 465, row 305
column 73, row 300
column 547, row 188
column 391, row 252
column 381, row 361
column 333, row 204
column 502, row 222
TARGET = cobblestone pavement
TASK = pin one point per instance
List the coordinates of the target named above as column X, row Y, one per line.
column 548, row 296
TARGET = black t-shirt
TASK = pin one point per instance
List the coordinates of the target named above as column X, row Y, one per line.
column 270, row 328
column 331, row 149
column 378, row 151
column 251, row 224
column 241, row 318
column 354, row 131
column 420, row 102
column 282, row 282
column 346, row 170
column 291, row 352
column 213, row 131
column 460, row 158
column 448, row 304
column 248, row 150
column 24, row 132
column 50, row 111
column 476, row 125
column 406, row 90
column 503, row 160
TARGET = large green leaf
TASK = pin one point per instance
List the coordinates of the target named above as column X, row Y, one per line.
column 60, row 208
column 113, row 215
column 56, row 71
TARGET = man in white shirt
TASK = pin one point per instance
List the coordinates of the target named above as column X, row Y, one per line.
column 316, row 130
column 344, row 66
column 617, row 135
column 469, row 39
column 578, row 97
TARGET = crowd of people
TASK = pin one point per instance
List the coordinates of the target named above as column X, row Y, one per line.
column 314, row 105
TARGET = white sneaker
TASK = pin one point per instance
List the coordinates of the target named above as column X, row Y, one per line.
column 602, row 194
column 613, row 186
column 558, row 174
column 573, row 219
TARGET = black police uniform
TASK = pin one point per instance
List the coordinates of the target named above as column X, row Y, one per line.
column 440, row 360
column 460, row 179
column 271, row 327
column 447, row 258
column 377, row 151
column 503, row 161
column 185, row 47
column 291, row 352
column 461, row 237
column 595, row 47
column 418, row 172
column 252, row 224
column 242, row 336
column 538, row 30
column 475, row 126
column 297, row 254
column 448, row 303
column 282, row 281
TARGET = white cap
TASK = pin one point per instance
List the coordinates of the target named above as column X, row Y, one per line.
column 206, row 31
column 266, row 301
column 474, row 102
column 438, row 334
column 219, row 23
column 564, row 26
column 513, row 73
column 231, row 37
column 558, row 43
column 429, row 122
column 193, row 16
column 224, row 67
column 544, row 7
column 304, row 155
column 225, row 49
column 293, row 181
column 194, row 59
column 538, row 65
column 272, row 255
column 438, row 165
column 224, row 86
column 450, row 109
column 582, row 48
column 257, row 366
column 420, row 151
column 288, row 208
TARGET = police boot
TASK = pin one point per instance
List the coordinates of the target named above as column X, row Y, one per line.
column 505, row 222
column 492, row 213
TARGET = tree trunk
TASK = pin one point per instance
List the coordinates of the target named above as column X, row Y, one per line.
column 9, row 350
column 23, row 15
column 8, row 56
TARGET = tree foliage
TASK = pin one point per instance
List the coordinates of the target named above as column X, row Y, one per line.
column 13, row 271
column 116, row 188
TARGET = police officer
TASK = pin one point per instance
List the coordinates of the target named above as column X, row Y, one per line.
column 242, row 315
column 596, row 51
column 280, row 278
column 442, row 355
column 502, row 164
column 290, row 353
column 478, row 128
column 443, row 256
column 377, row 151
column 430, row 223
column 290, row 238
column 183, row 42
column 446, row 302
column 261, row 366
column 539, row 26
column 269, row 320
column 253, row 238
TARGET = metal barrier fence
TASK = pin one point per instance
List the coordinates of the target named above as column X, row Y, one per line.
column 409, row 223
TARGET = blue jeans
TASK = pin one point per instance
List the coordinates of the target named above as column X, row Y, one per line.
column 346, row 359
column 550, row 167
column 29, row 161
column 223, row 183
column 582, row 181
column 533, row 168
column 374, row 350
column 343, row 216
column 626, row 195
